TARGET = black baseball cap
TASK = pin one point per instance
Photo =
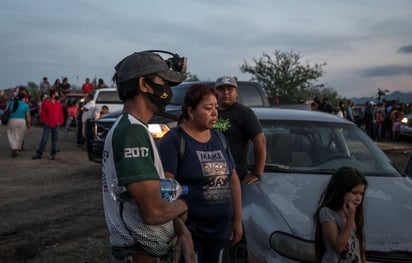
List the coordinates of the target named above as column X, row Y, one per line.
column 145, row 63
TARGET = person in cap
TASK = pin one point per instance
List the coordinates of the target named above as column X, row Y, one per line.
column 143, row 227
column 240, row 125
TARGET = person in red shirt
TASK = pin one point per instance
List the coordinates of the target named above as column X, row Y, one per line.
column 87, row 87
column 71, row 115
column 52, row 117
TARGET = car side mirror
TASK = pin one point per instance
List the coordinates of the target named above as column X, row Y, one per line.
column 408, row 167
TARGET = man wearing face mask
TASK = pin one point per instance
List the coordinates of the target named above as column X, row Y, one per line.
column 52, row 117
column 143, row 227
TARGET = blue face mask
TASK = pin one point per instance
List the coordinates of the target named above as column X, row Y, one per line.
column 161, row 96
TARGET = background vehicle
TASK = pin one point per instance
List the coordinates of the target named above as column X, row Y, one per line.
column 406, row 126
column 69, row 100
column 249, row 93
column 303, row 149
column 109, row 97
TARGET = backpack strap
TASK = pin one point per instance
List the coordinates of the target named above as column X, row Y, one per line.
column 182, row 143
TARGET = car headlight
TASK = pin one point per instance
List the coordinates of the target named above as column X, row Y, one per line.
column 293, row 247
column 404, row 120
column 158, row 130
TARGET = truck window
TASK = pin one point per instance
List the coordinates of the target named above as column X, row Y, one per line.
column 249, row 95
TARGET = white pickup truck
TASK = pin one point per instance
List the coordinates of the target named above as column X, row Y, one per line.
column 108, row 97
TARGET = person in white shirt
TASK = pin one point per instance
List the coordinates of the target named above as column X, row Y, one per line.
column 88, row 111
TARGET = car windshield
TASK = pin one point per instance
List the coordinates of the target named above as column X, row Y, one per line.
column 308, row 147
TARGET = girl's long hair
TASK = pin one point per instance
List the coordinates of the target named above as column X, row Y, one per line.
column 342, row 181
column 18, row 98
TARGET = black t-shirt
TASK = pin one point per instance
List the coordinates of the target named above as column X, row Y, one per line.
column 65, row 88
column 239, row 124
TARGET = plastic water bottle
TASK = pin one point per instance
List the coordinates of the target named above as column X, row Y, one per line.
column 171, row 189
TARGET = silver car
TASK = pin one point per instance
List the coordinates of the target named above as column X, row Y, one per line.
column 303, row 149
column 406, row 126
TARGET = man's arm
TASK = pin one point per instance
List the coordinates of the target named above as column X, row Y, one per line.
column 184, row 243
column 153, row 209
column 259, row 148
column 237, row 229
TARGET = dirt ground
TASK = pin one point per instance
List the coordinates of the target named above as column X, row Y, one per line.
column 51, row 211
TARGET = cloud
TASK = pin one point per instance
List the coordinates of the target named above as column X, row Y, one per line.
column 388, row 70
column 405, row 49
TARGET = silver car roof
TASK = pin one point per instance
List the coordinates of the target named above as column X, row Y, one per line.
column 297, row 115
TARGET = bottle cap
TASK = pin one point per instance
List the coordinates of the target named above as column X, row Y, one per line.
column 185, row 190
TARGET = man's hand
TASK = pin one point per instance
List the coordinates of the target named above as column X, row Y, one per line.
column 250, row 178
column 184, row 243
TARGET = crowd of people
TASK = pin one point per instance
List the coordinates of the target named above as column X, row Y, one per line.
column 54, row 110
column 380, row 121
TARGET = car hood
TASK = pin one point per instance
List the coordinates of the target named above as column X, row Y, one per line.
column 388, row 207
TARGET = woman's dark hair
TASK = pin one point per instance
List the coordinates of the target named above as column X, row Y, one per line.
column 129, row 89
column 18, row 97
column 195, row 94
column 51, row 93
column 342, row 181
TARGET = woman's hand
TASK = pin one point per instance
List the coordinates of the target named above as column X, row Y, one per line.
column 237, row 232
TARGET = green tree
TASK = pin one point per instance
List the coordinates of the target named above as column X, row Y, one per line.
column 33, row 90
column 191, row 77
column 284, row 76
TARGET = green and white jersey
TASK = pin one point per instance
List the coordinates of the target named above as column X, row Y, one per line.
column 130, row 155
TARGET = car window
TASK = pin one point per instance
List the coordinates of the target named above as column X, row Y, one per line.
column 249, row 93
column 308, row 147
column 108, row 97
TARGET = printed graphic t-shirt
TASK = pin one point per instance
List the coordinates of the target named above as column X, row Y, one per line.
column 206, row 168
column 351, row 252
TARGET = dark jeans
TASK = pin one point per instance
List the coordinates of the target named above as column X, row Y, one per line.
column 79, row 134
column 208, row 250
column 45, row 137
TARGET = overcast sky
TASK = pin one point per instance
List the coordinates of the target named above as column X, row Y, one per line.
column 367, row 44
